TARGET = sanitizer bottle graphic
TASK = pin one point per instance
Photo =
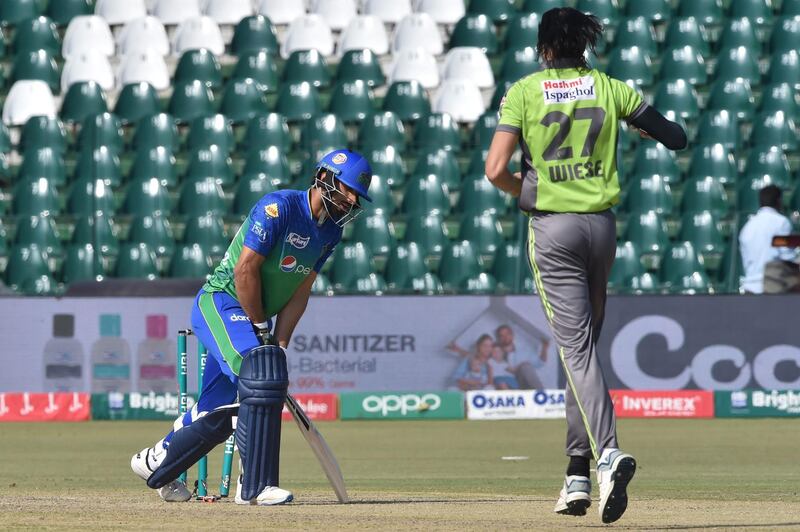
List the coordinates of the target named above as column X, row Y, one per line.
column 111, row 357
column 157, row 358
column 63, row 357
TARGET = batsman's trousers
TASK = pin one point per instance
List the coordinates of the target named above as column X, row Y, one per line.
column 571, row 256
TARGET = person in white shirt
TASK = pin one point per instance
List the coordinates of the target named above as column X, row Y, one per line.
column 755, row 240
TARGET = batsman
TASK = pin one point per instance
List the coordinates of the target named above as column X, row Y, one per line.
column 267, row 272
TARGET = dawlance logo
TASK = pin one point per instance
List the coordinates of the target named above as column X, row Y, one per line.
column 402, row 404
column 568, row 90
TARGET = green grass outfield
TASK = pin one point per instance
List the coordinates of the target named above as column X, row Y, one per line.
column 425, row 475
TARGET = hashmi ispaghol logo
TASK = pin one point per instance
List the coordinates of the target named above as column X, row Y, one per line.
column 288, row 264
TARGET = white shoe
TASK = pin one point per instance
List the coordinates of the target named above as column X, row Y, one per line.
column 269, row 496
column 175, row 491
column 145, row 462
column 575, row 496
column 615, row 470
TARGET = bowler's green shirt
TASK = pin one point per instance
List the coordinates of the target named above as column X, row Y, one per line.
column 568, row 122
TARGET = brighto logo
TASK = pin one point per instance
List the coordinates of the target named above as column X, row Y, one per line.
column 239, row 317
column 411, row 402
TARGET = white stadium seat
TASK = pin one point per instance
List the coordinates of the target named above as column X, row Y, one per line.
column 27, row 98
column 306, row 33
column 337, row 13
column 145, row 65
column 142, row 34
column 461, row 99
column 228, row 12
column 281, row 11
column 88, row 32
column 173, row 12
column 120, row 11
column 88, row 65
column 467, row 62
column 418, row 29
column 442, row 11
column 365, row 31
column 390, row 11
column 415, row 63
column 199, row 32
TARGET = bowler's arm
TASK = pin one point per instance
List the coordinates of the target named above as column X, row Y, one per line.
column 502, row 148
column 290, row 314
column 247, row 280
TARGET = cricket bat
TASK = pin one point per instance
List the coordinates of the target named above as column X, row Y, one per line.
column 321, row 450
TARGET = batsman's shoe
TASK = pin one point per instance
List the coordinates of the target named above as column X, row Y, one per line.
column 614, row 470
column 269, row 496
column 146, row 461
column 575, row 496
column 175, row 491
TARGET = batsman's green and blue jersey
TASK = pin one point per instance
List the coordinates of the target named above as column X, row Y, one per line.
column 568, row 122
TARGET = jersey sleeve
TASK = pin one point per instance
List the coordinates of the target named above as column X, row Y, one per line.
column 267, row 225
column 628, row 101
column 324, row 257
column 511, row 110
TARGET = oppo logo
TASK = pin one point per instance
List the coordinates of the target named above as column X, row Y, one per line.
column 403, row 404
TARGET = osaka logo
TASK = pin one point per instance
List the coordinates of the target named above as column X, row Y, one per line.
column 288, row 263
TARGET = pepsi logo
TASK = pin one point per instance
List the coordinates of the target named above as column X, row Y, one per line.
column 288, row 263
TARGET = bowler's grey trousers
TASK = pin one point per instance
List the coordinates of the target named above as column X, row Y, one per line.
column 571, row 256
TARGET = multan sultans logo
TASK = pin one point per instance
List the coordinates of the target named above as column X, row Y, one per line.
column 298, row 241
column 271, row 210
column 339, row 158
column 288, row 263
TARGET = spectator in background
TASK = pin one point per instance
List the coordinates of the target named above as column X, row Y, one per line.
column 755, row 240
column 524, row 371
column 502, row 368
column 473, row 372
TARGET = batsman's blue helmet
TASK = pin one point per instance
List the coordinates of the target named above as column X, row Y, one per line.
column 350, row 168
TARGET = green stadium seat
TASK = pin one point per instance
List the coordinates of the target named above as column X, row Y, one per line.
column 718, row 127
column 460, row 270
column 12, row 12
column 42, row 131
column 483, row 130
column 267, row 129
column 190, row 99
column 243, row 100
column 271, row 161
column 147, row 197
column 511, row 270
column 322, row 286
column 352, row 101
column 298, row 101
column 648, row 231
column 387, row 163
column 208, row 232
column 136, row 261
column 747, row 192
column 407, row 99
column 522, row 31
column 701, row 229
column 768, row 160
column 384, row 128
column 158, row 163
column 739, row 32
column 63, row 11
column 479, row 196
column 39, row 65
column 35, row 197
column 652, row 157
column 785, row 35
column 351, row 262
column 43, row 163
column 437, row 130
column 518, row 63
column 443, row 164
column 631, row 65
column 360, row 65
column 627, row 265
column 758, row 11
column 775, row 128
column 307, row 66
column 373, row 230
column 707, row 12
column 210, row 162
column 406, row 272
column 155, row 231
column 198, row 65
column 190, row 262
column 652, row 10
column 636, row 31
column 102, row 163
column 136, row 101
column 735, row 64
column 254, row 33
column 322, row 131
column 735, row 96
column 205, row 131
column 705, row 195
column 200, row 197
column 40, row 230
column 83, row 99
column 97, row 231
column 785, row 68
column 3, row 45
column 156, row 130
column 682, row 270
column 649, row 192
column 104, row 129
column 790, row 8
column 540, row 6
column 5, row 139
column 427, row 231
column 88, row 196
column 686, row 31
column 81, row 264
column 250, row 189
column 496, row 10
column 261, row 67
column 26, row 265
column 475, row 30
column 683, row 62
column 477, row 162
column 426, row 194
column 730, row 270
column 38, row 33
column 484, row 231
column 499, row 93
column 714, row 161
column 794, row 203
column 677, row 96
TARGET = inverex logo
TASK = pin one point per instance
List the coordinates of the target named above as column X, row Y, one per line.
column 402, row 404
column 557, row 91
